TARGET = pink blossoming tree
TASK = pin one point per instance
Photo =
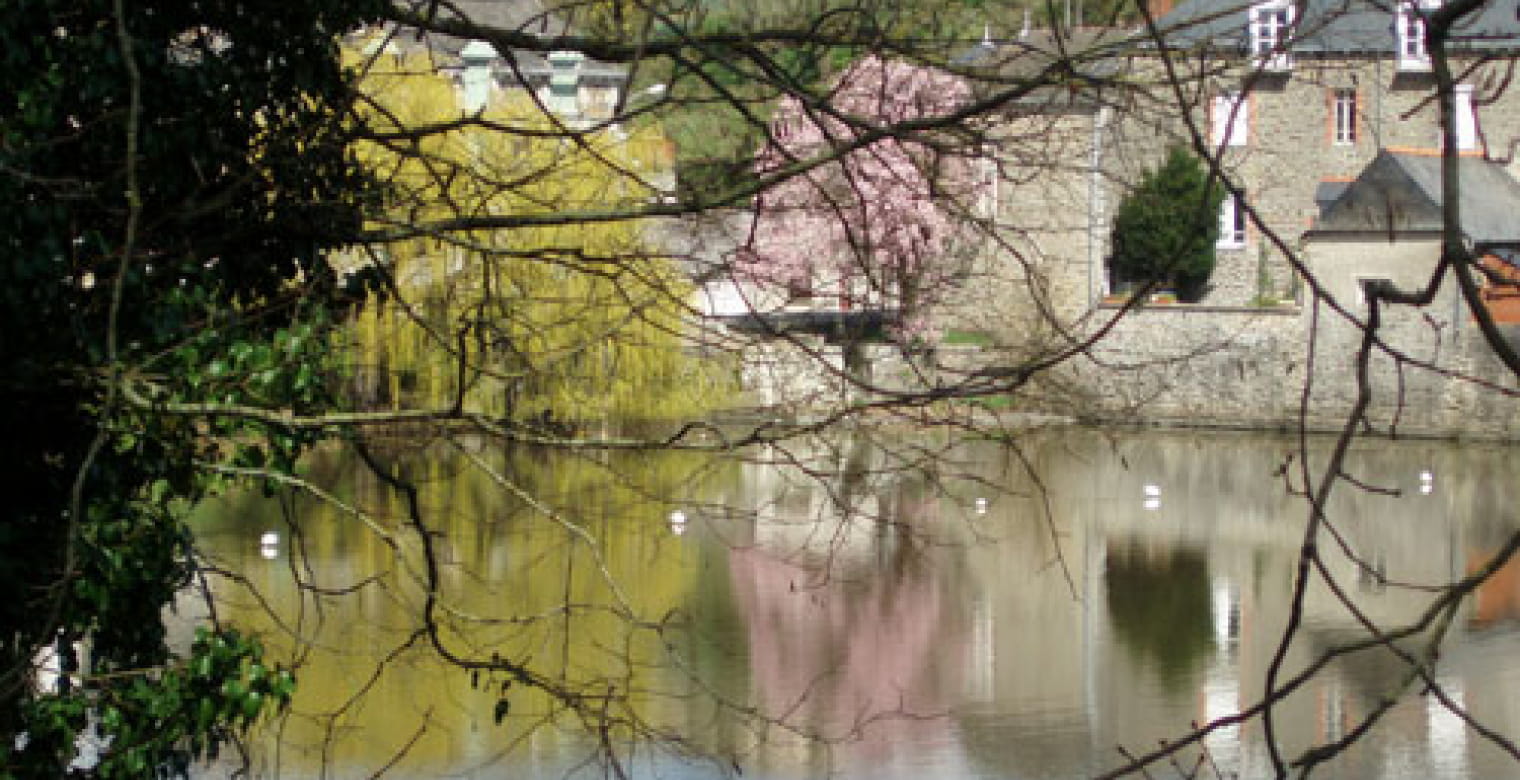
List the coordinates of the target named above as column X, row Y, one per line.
column 877, row 226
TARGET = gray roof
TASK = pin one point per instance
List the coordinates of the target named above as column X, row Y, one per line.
column 1401, row 193
column 1328, row 192
column 1092, row 54
column 530, row 16
column 1033, row 50
column 1333, row 26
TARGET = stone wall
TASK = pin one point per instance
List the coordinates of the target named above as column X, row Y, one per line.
column 1264, row 368
column 1276, row 368
column 1233, row 367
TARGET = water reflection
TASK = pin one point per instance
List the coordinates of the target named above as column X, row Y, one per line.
column 1159, row 608
column 861, row 608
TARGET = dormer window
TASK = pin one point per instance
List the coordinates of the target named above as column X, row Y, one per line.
column 1409, row 35
column 1269, row 25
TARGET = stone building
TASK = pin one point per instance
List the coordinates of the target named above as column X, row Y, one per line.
column 1299, row 97
column 1386, row 229
column 1294, row 106
column 1295, row 100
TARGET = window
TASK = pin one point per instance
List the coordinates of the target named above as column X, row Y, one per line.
column 1268, row 27
column 1364, row 284
column 1466, row 121
column 1231, row 120
column 1409, row 32
column 1232, row 222
column 1344, row 130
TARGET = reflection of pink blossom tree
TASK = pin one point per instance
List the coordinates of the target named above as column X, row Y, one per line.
column 879, row 225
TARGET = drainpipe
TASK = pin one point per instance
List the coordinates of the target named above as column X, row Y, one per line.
column 1377, row 104
column 1095, row 204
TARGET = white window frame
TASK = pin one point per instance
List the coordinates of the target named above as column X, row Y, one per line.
column 1268, row 25
column 1409, row 35
column 1230, row 121
column 1343, row 104
column 1466, row 120
column 1232, row 222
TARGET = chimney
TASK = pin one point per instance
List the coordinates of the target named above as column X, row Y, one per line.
column 565, row 83
column 477, row 57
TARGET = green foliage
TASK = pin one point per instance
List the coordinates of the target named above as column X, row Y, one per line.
column 241, row 181
column 1167, row 227
column 968, row 338
column 161, row 721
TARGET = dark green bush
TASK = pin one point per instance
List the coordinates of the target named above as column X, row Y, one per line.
column 1166, row 228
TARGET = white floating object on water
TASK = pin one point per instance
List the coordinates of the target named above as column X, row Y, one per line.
column 981, row 506
column 1426, row 476
column 678, row 522
column 269, row 552
column 1152, row 504
column 1153, row 490
column 269, row 539
column 1426, row 489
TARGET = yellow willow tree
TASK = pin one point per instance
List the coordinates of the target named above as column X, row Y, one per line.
column 566, row 324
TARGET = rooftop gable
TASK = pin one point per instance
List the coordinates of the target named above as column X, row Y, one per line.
column 1400, row 192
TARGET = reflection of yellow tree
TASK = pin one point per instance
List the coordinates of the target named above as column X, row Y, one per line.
column 518, row 581
column 576, row 322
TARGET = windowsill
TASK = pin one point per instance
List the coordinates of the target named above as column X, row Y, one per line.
column 1275, row 63
column 1230, row 245
column 1414, row 65
column 1284, row 308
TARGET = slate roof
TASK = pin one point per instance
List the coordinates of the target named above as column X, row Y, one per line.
column 1326, row 193
column 1033, row 50
column 1400, row 192
column 1089, row 56
column 531, row 16
column 1333, row 27
column 523, row 15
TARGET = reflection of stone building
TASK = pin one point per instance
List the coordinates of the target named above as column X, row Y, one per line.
column 1081, row 684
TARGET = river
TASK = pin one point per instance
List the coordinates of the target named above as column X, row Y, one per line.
column 866, row 607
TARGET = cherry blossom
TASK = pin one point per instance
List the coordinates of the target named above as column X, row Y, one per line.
column 876, row 226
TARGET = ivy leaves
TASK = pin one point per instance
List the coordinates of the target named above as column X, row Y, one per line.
column 165, row 719
column 244, row 184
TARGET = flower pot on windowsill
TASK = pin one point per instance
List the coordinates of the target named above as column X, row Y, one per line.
column 1164, row 296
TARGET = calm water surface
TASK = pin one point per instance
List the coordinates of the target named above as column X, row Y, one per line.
column 886, row 609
